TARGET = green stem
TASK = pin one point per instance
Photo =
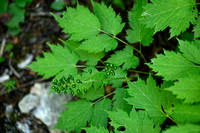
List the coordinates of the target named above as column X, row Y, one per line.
column 138, row 71
column 125, row 44
column 102, row 98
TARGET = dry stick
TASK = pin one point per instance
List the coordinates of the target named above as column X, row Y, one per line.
column 4, row 91
column 2, row 46
column 13, row 70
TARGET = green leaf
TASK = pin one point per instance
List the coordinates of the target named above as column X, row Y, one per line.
column 186, row 113
column 187, row 88
column 94, row 129
column 190, row 50
column 58, row 5
column 60, row 62
column 173, row 66
column 10, row 84
column 196, row 29
column 138, row 31
column 148, row 97
column 99, row 43
column 135, row 123
column 187, row 128
column 18, row 16
column 76, row 116
column 110, row 22
column 99, row 118
column 92, row 94
column 3, row 6
column 125, row 57
column 91, row 58
column 120, row 74
column 119, row 102
column 176, row 14
column 80, row 23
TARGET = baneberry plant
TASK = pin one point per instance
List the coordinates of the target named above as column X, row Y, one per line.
column 134, row 106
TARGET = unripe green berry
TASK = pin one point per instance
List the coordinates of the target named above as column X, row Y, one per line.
column 78, row 81
column 85, row 90
column 107, row 73
column 78, row 91
column 90, row 71
column 58, row 91
column 113, row 73
column 115, row 68
column 73, row 86
column 106, row 69
column 107, row 64
column 111, row 65
column 72, row 92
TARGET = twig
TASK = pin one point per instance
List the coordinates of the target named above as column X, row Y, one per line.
column 2, row 46
column 43, row 14
column 4, row 91
column 13, row 70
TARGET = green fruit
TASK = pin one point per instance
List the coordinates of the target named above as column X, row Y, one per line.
column 107, row 64
column 53, row 87
column 72, row 92
column 58, row 91
column 73, row 86
column 85, row 90
column 90, row 71
column 115, row 68
column 78, row 91
column 78, row 81
column 111, row 65
column 111, row 71
column 107, row 73
column 106, row 69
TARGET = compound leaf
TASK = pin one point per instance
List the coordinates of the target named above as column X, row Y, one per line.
column 196, row 29
column 186, row 113
column 60, row 62
column 173, row 66
column 94, row 129
column 148, row 97
column 91, row 58
column 138, row 31
column 99, row 118
column 119, row 102
column 99, row 43
column 110, row 22
column 136, row 122
column 176, row 14
column 187, row 128
column 80, row 23
column 187, row 88
column 125, row 57
column 76, row 116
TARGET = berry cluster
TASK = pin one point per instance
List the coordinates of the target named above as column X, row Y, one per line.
column 110, row 69
column 65, row 84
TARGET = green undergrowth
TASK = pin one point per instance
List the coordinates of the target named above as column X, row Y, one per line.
column 84, row 67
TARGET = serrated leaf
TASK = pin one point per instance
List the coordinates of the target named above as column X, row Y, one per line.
column 60, row 62
column 76, row 116
column 99, row 43
column 125, row 57
column 148, row 97
column 91, row 58
column 88, row 80
column 119, row 102
column 99, row 118
column 187, row 128
column 135, row 123
column 196, row 29
column 190, row 50
column 186, row 113
column 110, row 22
column 173, row 66
column 80, row 23
column 92, row 94
column 94, row 129
column 187, row 88
column 176, row 14
column 138, row 31
column 120, row 74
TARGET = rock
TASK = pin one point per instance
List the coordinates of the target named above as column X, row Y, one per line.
column 28, row 103
column 47, row 106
